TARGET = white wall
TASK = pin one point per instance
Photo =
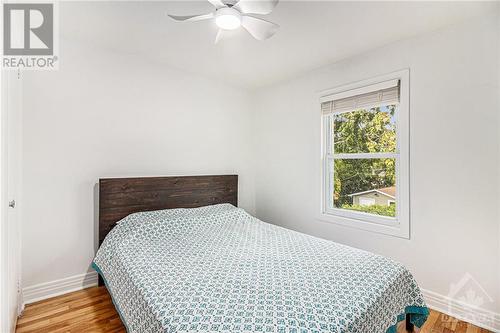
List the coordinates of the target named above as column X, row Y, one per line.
column 108, row 115
column 454, row 83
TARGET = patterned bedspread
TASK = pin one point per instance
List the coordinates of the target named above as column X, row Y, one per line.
column 218, row 269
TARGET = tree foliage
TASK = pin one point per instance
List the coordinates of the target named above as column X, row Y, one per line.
column 363, row 131
column 373, row 209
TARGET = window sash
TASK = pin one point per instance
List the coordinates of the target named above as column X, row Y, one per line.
column 328, row 127
column 330, row 157
column 359, row 156
column 366, row 217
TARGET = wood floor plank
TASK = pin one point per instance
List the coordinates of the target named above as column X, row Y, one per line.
column 90, row 323
column 70, row 316
column 461, row 327
column 91, row 310
column 62, row 308
column 41, row 315
column 65, row 325
column 85, row 293
column 68, row 312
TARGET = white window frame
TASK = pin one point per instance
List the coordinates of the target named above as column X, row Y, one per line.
column 400, row 225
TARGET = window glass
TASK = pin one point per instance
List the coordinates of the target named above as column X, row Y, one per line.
column 365, row 130
column 366, row 185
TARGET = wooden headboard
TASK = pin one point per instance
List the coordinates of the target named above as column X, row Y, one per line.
column 119, row 197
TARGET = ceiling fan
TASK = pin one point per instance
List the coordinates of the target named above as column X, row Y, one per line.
column 230, row 16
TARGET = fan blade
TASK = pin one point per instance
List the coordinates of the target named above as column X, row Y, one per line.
column 217, row 3
column 220, row 36
column 260, row 29
column 192, row 17
column 256, row 6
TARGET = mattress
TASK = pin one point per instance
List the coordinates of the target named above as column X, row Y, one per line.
column 219, row 269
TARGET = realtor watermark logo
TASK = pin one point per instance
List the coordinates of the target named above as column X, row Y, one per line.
column 29, row 36
column 467, row 299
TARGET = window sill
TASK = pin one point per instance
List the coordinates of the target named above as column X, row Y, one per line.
column 397, row 229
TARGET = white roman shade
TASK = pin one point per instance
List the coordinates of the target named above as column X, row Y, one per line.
column 383, row 93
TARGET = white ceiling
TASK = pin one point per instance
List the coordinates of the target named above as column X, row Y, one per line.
column 312, row 34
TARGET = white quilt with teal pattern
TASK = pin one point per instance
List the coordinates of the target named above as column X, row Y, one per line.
column 219, row 269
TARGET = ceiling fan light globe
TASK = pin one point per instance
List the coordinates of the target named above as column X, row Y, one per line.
column 228, row 19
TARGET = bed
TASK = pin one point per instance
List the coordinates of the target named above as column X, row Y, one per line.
column 178, row 255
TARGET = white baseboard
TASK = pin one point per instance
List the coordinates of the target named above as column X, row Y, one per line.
column 58, row 287
column 466, row 312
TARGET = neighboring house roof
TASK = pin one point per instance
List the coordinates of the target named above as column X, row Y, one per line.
column 387, row 191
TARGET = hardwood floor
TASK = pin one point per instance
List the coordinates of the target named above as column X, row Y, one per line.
column 91, row 310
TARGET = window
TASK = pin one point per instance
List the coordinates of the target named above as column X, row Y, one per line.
column 365, row 155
